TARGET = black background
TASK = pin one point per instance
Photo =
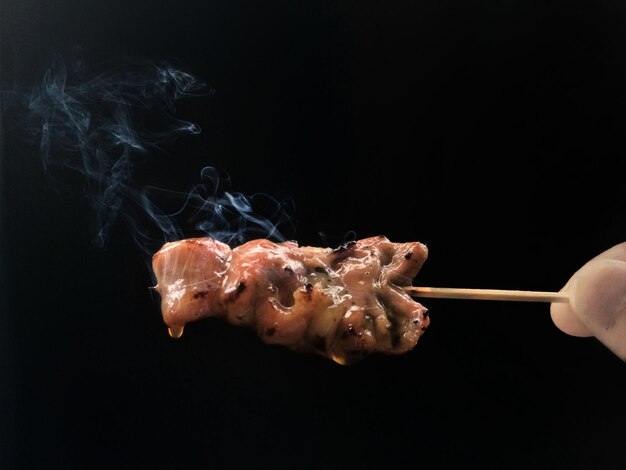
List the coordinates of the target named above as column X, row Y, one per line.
column 492, row 131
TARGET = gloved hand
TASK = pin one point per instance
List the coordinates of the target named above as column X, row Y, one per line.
column 597, row 305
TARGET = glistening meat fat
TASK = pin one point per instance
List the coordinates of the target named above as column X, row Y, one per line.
column 341, row 303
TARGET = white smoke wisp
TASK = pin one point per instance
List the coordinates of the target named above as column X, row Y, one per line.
column 103, row 126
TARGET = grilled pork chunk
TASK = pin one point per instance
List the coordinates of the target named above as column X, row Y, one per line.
column 341, row 303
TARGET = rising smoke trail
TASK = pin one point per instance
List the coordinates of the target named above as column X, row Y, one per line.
column 103, row 126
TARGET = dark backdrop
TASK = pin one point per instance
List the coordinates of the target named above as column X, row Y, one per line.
column 492, row 131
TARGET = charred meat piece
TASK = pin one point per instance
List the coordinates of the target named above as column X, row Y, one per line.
column 341, row 303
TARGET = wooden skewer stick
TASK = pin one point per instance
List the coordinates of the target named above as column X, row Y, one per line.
column 487, row 294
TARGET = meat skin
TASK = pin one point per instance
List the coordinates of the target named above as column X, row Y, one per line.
column 341, row 303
